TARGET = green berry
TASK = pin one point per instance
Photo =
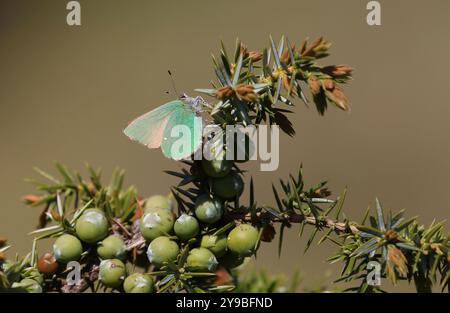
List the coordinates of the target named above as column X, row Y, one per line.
column 67, row 248
column 201, row 259
column 162, row 250
column 228, row 187
column 156, row 223
column 217, row 167
column 242, row 239
column 112, row 247
column 159, row 202
column 186, row 227
column 216, row 244
column 28, row 284
column 92, row 226
column 208, row 210
column 112, row 273
column 138, row 283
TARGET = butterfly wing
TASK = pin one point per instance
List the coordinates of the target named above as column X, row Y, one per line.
column 182, row 134
column 148, row 129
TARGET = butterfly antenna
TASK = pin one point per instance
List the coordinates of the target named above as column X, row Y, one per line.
column 173, row 82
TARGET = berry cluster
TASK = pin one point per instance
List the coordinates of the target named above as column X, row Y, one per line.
column 172, row 241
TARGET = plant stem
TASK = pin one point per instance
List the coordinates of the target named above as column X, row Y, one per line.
column 338, row 227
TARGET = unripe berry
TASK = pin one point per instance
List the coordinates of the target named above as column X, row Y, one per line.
column 216, row 167
column 208, row 210
column 162, row 250
column 112, row 273
column 67, row 248
column 156, row 223
column 228, row 187
column 216, row 244
column 242, row 239
column 47, row 264
column 186, row 227
column 92, row 226
column 202, row 260
column 159, row 202
column 138, row 283
column 28, row 284
column 112, row 247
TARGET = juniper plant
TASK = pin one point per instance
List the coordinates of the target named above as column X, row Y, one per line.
column 196, row 238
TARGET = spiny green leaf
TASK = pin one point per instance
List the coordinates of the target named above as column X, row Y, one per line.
column 274, row 52
column 370, row 230
column 277, row 198
column 311, row 239
column 405, row 224
column 65, row 173
column 280, row 241
column 237, row 70
column 46, row 175
column 380, row 216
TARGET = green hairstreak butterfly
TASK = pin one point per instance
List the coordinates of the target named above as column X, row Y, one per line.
column 176, row 127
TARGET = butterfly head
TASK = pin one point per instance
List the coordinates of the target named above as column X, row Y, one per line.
column 195, row 103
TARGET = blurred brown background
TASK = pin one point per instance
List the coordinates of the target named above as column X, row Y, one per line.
column 66, row 93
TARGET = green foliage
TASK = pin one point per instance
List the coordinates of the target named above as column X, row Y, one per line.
column 250, row 83
column 250, row 86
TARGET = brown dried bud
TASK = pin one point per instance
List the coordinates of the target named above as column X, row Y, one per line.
column 244, row 51
column 3, row 241
column 286, row 82
column 246, row 93
column 91, row 188
column 47, row 264
column 397, row 260
column 303, row 46
column 251, row 97
column 2, row 256
column 322, row 193
column 328, row 84
column 138, row 212
column 314, row 85
column 285, row 56
column 338, row 97
column 391, row 235
column 268, row 233
column 224, row 93
column 255, row 56
column 31, row 199
column 243, row 89
column 317, row 49
column 338, row 70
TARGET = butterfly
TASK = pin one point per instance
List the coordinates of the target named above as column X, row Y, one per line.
column 161, row 127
